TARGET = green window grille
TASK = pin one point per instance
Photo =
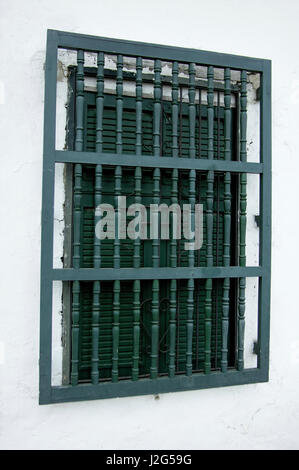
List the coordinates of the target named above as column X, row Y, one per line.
column 148, row 316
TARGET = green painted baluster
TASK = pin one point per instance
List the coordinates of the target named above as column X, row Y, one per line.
column 136, row 256
column 172, row 327
column 155, row 299
column 192, row 110
column 115, row 330
column 97, row 202
column 157, row 107
column 96, row 284
column 100, row 102
column 119, row 104
column 227, row 219
column 210, row 96
column 190, row 309
column 190, row 285
column 155, row 331
column 242, row 237
column 137, row 242
column 209, row 218
column 175, row 108
column 136, row 329
column 173, row 283
column 174, row 200
column 77, row 217
column 208, row 325
column 79, row 101
column 138, row 106
column 209, row 283
column 76, row 284
column 78, row 148
column 156, row 200
column 227, row 114
column 226, row 262
column 95, row 332
column 75, row 332
column 199, row 123
column 117, row 193
column 136, row 285
column 243, row 116
column 116, row 284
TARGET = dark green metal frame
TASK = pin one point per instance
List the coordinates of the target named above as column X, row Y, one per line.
column 54, row 394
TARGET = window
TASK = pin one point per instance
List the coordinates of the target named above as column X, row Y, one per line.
column 154, row 125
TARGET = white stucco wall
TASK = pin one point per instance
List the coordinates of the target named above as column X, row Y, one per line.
column 251, row 416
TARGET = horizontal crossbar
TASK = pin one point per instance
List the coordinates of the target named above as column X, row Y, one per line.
column 149, row 161
column 147, row 386
column 110, row 274
column 154, row 51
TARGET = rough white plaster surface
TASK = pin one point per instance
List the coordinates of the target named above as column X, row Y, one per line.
column 251, row 416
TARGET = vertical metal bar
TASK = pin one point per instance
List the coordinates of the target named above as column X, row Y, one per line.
column 138, row 106
column 46, row 284
column 242, row 239
column 265, row 229
column 116, row 284
column 119, row 104
column 157, row 107
column 155, row 300
column 209, row 216
column 175, row 108
column 192, row 110
column 227, row 219
column 136, row 285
